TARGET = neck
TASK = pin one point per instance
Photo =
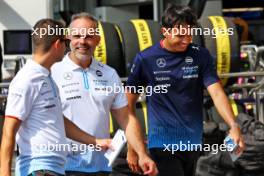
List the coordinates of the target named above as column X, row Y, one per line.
column 44, row 60
column 82, row 63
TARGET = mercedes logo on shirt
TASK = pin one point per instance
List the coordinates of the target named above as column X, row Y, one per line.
column 161, row 62
column 67, row 76
column 44, row 84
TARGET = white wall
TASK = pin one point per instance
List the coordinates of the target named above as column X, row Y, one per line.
column 22, row 14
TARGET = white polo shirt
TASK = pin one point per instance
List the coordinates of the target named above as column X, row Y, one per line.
column 33, row 98
column 87, row 100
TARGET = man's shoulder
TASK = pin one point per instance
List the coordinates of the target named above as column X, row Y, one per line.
column 197, row 49
column 104, row 68
column 23, row 80
column 26, row 75
column 149, row 52
column 58, row 66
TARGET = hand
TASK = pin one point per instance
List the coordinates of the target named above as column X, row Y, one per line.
column 147, row 165
column 235, row 134
column 104, row 144
column 132, row 160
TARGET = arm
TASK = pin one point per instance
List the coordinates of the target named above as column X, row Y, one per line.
column 10, row 128
column 135, row 138
column 75, row 133
column 132, row 157
column 132, row 129
column 223, row 107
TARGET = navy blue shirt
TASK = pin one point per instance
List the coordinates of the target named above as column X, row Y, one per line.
column 176, row 116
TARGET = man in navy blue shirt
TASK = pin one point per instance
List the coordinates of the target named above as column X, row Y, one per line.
column 175, row 117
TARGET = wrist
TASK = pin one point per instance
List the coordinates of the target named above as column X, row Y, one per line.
column 234, row 125
column 130, row 149
column 142, row 153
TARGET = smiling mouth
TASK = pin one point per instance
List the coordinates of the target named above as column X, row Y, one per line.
column 183, row 45
column 82, row 48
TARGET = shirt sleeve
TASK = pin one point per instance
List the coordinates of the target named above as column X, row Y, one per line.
column 209, row 73
column 19, row 101
column 137, row 77
column 120, row 99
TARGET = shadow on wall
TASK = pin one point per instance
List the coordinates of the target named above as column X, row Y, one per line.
column 17, row 20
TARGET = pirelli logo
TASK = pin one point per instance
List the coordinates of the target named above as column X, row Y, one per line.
column 100, row 50
column 143, row 33
column 222, row 46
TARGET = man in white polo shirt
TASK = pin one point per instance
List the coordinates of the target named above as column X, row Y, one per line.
column 34, row 113
column 86, row 93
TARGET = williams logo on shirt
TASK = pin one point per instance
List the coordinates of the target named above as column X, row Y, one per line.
column 98, row 73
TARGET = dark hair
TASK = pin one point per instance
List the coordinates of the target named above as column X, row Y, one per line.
column 43, row 42
column 178, row 15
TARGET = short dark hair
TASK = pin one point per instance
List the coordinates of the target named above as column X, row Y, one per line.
column 178, row 15
column 43, row 42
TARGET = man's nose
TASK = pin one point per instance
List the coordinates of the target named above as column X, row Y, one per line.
column 82, row 40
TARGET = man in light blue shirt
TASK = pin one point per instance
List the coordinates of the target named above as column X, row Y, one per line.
column 34, row 116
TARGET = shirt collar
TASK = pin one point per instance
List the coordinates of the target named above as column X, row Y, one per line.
column 39, row 67
column 73, row 66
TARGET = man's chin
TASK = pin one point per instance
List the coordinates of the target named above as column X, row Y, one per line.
column 183, row 47
column 83, row 57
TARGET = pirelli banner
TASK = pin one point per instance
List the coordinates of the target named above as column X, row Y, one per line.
column 137, row 35
column 221, row 39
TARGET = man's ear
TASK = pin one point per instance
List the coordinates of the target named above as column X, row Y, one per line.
column 68, row 36
column 56, row 44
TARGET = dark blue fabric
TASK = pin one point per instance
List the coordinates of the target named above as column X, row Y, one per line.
column 176, row 116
